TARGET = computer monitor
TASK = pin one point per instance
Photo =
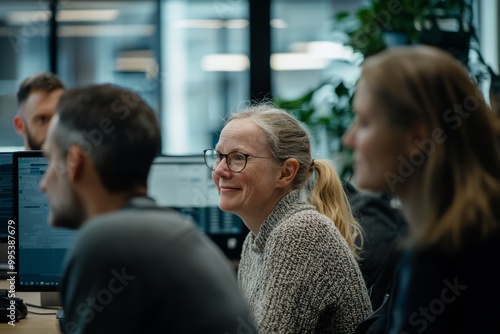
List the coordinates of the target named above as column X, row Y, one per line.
column 6, row 188
column 181, row 182
column 40, row 248
column 6, row 208
column 185, row 184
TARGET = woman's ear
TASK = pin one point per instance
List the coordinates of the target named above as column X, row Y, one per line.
column 288, row 170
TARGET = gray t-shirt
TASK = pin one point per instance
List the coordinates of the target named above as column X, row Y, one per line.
column 143, row 269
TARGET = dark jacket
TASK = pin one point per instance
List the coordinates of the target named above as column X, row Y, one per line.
column 383, row 229
column 441, row 290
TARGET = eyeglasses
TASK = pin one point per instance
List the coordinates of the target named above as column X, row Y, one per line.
column 235, row 161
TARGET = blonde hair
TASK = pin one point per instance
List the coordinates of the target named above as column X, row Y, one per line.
column 289, row 139
column 459, row 182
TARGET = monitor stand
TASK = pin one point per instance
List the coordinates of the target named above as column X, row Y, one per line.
column 4, row 268
column 50, row 298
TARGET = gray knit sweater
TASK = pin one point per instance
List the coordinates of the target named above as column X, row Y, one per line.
column 299, row 275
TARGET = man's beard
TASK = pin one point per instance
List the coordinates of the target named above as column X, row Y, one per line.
column 31, row 142
column 70, row 216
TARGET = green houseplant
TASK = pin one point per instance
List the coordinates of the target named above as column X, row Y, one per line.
column 368, row 31
column 384, row 23
column 327, row 112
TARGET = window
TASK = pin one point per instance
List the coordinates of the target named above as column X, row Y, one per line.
column 303, row 45
column 205, row 70
column 97, row 42
column 110, row 42
column 24, row 44
column 189, row 59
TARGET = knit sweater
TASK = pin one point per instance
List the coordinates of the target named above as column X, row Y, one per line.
column 299, row 275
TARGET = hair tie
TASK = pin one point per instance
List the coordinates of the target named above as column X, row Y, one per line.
column 312, row 163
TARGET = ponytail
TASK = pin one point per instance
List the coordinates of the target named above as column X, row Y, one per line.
column 329, row 198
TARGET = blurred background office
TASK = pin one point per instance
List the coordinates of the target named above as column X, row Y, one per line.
column 194, row 61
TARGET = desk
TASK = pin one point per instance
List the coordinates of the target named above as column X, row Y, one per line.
column 33, row 323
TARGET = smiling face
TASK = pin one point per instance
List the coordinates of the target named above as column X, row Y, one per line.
column 377, row 144
column 252, row 193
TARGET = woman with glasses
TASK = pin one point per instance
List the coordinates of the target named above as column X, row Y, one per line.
column 424, row 132
column 298, row 267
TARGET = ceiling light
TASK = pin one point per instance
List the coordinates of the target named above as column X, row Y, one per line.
column 87, row 15
column 297, row 62
column 224, row 62
column 279, row 24
column 106, row 30
column 210, row 24
column 24, row 17
column 236, row 24
column 137, row 61
column 198, row 24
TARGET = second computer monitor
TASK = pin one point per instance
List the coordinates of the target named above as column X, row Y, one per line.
column 185, row 183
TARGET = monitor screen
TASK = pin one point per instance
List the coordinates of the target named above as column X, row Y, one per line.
column 185, row 184
column 40, row 248
column 6, row 188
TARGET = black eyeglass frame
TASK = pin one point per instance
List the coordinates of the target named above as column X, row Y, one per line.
column 225, row 156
